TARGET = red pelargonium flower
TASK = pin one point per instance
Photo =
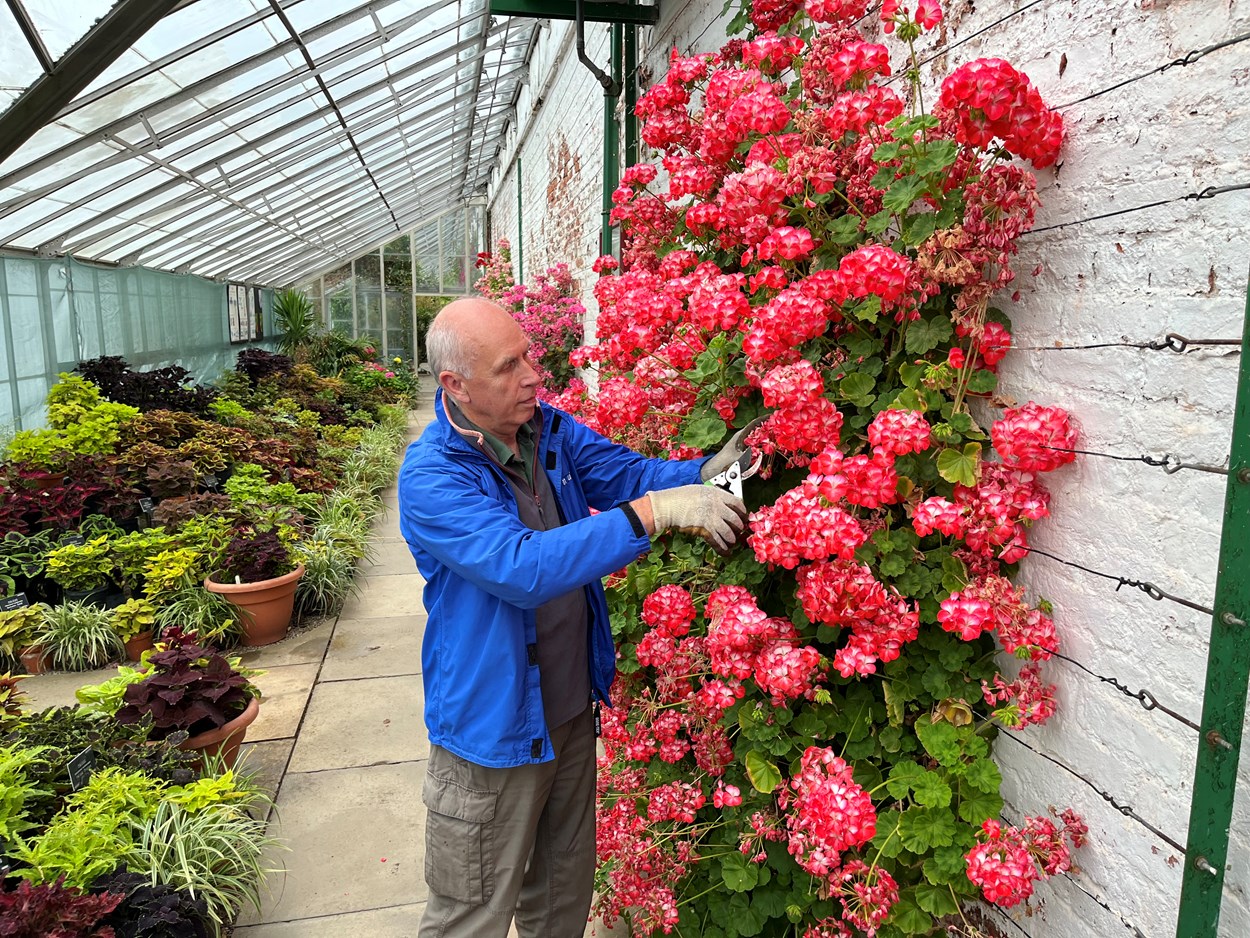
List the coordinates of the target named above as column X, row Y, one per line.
column 928, row 13
column 827, row 813
column 987, row 98
column 868, row 895
column 770, row 53
column 790, row 385
column 937, row 514
column 899, row 432
column 792, row 244
column 1009, row 859
column 801, row 525
column 1034, row 698
column 1034, row 438
column 1002, row 866
column 835, row 11
column 669, row 609
column 876, row 270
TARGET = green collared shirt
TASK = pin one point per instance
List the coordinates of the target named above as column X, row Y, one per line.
column 524, row 437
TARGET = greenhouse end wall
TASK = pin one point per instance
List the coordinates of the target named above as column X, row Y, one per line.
column 56, row 312
column 1179, row 268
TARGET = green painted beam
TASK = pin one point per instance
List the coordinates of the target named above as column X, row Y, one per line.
column 566, row 10
column 611, row 143
column 1224, row 699
column 77, row 68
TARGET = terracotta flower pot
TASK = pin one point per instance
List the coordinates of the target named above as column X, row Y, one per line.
column 226, row 739
column 36, row 659
column 138, row 644
column 266, row 606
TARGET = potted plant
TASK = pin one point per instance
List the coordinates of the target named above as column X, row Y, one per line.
column 82, row 570
column 22, row 560
column 134, row 621
column 192, row 689
column 260, row 578
column 78, row 636
column 19, row 637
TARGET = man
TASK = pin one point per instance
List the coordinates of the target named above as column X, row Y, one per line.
column 495, row 502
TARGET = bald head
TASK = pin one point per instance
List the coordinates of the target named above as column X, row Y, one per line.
column 457, row 332
column 480, row 357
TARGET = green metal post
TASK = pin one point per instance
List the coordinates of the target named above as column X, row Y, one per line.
column 1224, row 699
column 631, row 94
column 518, row 269
column 611, row 143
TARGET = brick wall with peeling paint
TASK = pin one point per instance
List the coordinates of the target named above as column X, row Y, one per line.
column 1180, row 267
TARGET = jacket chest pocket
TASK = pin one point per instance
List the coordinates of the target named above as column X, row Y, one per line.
column 459, row 840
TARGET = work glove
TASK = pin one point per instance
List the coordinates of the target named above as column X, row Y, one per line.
column 712, row 513
column 734, row 450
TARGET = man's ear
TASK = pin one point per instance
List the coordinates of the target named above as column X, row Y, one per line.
column 453, row 385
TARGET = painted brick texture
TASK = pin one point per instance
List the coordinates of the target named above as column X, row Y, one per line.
column 1180, row 267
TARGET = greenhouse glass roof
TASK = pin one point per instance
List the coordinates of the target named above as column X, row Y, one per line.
column 255, row 140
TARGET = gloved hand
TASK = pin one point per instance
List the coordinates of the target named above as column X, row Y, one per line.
column 712, row 513
column 732, row 452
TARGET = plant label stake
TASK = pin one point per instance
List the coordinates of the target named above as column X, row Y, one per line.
column 80, row 768
column 14, row 602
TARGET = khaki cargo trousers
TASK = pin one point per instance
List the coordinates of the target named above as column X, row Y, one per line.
column 517, row 842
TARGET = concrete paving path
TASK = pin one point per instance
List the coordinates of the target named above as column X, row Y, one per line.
column 341, row 741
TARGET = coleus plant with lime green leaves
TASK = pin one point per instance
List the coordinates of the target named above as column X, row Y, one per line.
column 801, row 738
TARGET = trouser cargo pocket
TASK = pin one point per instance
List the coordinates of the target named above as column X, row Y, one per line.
column 459, row 840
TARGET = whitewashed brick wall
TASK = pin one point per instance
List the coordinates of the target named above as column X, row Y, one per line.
column 1176, row 268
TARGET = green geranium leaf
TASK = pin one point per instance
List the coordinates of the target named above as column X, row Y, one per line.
column 857, row 388
column 738, row 872
column 703, row 432
column 955, row 656
column 902, row 777
column 903, row 192
column 982, row 381
column 924, row 335
column 983, row 775
column 937, row 680
column 887, row 840
column 878, row 223
column 947, row 865
column 919, row 228
column 895, row 702
column 909, row 399
column 932, row 791
column 936, row 156
column 892, row 565
column 936, row 900
column 975, row 805
column 771, row 903
column 844, row 230
column 922, row 829
column 940, row 740
column 912, row 375
column 909, row 918
column 763, row 774
column 960, row 466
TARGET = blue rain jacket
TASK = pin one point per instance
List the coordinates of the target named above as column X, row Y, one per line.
column 486, row 573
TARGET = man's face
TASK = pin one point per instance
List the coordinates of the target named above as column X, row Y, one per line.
column 501, row 394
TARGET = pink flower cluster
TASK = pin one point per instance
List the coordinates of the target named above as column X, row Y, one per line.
column 1009, row 859
column 1035, row 438
column 827, row 813
column 987, row 98
column 994, row 603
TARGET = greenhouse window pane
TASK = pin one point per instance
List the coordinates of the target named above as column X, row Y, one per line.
column 451, row 234
column 425, row 248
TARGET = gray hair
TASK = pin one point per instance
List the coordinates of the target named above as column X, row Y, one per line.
column 446, row 348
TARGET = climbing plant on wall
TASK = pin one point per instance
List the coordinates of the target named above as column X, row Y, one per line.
column 801, row 737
